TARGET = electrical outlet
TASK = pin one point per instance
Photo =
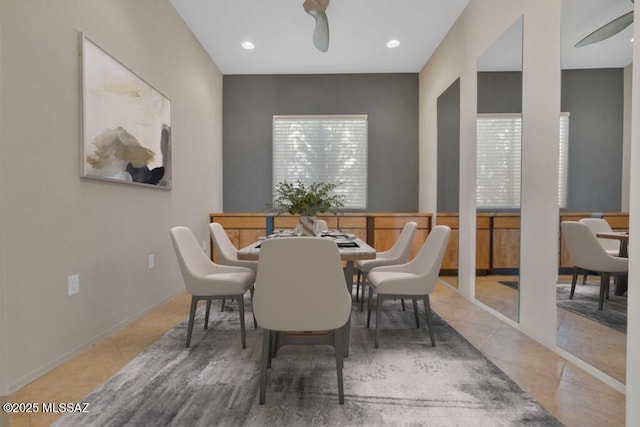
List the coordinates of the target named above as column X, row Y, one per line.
column 152, row 261
column 73, row 284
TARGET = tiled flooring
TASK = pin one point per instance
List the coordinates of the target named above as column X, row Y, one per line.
column 573, row 396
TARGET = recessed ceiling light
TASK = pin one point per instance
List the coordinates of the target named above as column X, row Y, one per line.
column 247, row 45
column 393, row 43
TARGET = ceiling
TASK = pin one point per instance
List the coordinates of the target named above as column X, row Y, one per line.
column 359, row 30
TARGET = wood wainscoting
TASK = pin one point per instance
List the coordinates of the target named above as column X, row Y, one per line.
column 498, row 239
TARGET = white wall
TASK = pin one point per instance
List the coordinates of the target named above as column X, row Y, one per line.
column 633, row 321
column 626, row 139
column 53, row 223
column 3, row 298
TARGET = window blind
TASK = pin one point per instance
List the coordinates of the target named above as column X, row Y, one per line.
column 499, row 160
column 330, row 149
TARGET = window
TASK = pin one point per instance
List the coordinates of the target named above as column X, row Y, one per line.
column 323, row 149
column 499, row 159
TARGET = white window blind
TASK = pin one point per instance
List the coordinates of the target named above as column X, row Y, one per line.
column 499, row 160
column 330, row 149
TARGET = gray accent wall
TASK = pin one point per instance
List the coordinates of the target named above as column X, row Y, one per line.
column 448, row 105
column 595, row 100
column 389, row 100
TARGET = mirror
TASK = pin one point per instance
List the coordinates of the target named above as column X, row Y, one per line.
column 498, row 165
column 596, row 87
column 448, row 112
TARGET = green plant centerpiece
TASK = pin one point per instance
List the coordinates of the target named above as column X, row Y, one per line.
column 307, row 201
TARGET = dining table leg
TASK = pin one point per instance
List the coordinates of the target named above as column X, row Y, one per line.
column 348, row 276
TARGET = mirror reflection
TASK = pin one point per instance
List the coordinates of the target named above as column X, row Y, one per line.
column 596, row 89
column 448, row 105
column 498, row 172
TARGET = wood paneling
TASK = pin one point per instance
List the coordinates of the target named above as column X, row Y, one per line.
column 506, row 248
column 483, row 241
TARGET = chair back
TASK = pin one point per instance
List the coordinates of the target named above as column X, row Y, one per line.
column 321, row 225
column 402, row 246
column 300, row 285
column 428, row 260
column 600, row 225
column 193, row 262
column 585, row 251
column 226, row 251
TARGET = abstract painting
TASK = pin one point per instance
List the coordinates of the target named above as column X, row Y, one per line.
column 126, row 123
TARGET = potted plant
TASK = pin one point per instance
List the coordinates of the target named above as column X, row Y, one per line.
column 297, row 198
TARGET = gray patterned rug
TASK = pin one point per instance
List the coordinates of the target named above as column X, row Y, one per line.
column 585, row 304
column 404, row 382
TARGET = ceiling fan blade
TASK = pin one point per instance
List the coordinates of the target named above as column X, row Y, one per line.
column 607, row 30
column 316, row 8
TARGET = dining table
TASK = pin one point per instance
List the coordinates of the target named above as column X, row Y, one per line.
column 350, row 247
column 623, row 237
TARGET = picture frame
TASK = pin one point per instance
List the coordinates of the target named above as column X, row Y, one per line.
column 126, row 123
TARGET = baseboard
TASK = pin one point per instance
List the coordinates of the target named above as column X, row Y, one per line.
column 37, row 373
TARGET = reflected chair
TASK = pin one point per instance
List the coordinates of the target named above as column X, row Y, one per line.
column 415, row 280
column 206, row 280
column 398, row 254
column 301, row 298
column 600, row 225
column 587, row 253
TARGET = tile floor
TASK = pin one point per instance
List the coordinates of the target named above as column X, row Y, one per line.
column 573, row 396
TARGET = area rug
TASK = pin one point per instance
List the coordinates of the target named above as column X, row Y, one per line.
column 585, row 304
column 404, row 382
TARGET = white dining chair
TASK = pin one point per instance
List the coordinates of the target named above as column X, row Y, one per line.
column 587, row 253
column 321, row 225
column 415, row 279
column 600, row 225
column 398, row 254
column 206, row 280
column 301, row 290
column 227, row 253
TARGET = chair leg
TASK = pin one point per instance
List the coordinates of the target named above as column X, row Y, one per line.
column 378, row 309
column 358, row 277
column 607, row 283
column 364, row 286
column 415, row 312
column 368, row 304
column 266, row 339
column 271, row 337
column 222, row 306
column 402, row 301
column 584, row 278
column 429, row 315
column 206, row 315
column 340, row 343
column 602, row 289
column 242, row 329
column 574, row 279
column 192, row 315
column 255, row 323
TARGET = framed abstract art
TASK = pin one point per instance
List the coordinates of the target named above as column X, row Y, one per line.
column 126, row 123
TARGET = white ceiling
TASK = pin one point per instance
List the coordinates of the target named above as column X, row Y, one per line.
column 282, row 33
column 359, row 30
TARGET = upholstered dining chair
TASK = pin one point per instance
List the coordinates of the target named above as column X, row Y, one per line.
column 227, row 252
column 587, row 253
column 415, row 279
column 301, row 298
column 206, row 280
column 321, row 225
column 398, row 254
column 600, row 225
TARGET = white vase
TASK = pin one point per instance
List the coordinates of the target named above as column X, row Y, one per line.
column 308, row 225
